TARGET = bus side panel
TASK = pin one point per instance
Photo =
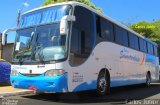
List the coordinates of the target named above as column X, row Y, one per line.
column 126, row 67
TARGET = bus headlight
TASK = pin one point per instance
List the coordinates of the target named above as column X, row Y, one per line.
column 52, row 73
column 14, row 73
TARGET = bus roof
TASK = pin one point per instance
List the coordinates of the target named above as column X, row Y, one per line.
column 73, row 3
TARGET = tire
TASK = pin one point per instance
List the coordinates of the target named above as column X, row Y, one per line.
column 148, row 79
column 103, row 84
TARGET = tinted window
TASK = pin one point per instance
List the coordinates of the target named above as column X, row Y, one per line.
column 82, row 37
column 136, row 42
column 143, row 45
column 150, row 48
column 155, row 51
column 133, row 41
column 121, row 36
column 106, row 30
column 98, row 26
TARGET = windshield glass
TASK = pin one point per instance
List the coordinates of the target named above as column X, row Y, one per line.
column 43, row 43
column 39, row 39
column 44, row 16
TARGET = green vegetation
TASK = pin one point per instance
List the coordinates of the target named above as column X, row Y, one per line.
column 150, row 30
column 87, row 2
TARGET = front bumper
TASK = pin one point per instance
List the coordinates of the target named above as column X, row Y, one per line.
column 41, row 83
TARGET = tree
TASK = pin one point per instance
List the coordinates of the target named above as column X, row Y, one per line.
column 150, row 30
column 87, row 2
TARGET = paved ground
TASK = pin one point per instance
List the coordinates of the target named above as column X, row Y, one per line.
column 5, row 89
column 137, row 95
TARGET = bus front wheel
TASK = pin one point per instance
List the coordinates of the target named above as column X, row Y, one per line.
column 103, row 84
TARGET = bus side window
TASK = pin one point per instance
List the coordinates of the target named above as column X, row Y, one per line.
column 150, row 48
column 107, row 30
column 104, row 30
column 133, row 41
column 121, row 36
column 75, row 42
column 83, row 42
column 82, row 36
column 155, row 51
column 143, row 45
column 98, row 26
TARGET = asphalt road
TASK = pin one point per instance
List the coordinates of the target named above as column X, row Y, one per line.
column 136, row 94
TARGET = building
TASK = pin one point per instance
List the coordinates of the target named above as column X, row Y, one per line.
column 6, row 51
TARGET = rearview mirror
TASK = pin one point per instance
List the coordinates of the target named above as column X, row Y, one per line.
column 4, row 35
column 64, row 23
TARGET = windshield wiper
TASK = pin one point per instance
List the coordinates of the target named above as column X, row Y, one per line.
column 20, row 59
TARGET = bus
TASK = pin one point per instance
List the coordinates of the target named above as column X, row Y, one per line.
column 70, row 47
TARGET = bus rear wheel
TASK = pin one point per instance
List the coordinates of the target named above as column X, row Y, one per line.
column 103, row 84
column 148, row 79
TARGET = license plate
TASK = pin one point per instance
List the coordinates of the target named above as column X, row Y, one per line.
column 32, row 88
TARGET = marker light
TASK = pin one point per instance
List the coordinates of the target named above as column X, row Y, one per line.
column 53, row 73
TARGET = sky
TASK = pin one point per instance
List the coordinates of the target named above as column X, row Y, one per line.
column 125, row 11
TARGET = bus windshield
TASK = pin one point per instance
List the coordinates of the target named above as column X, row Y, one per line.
column 44, row 44
column 39, row 39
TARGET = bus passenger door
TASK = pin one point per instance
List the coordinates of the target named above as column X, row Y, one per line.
column 81, row 45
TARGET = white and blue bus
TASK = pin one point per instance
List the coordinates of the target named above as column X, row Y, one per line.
column 70, row 47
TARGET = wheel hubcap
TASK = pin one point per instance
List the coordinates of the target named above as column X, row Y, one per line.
column 102, row 84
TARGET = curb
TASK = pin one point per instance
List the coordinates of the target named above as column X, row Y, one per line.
column 15, row 93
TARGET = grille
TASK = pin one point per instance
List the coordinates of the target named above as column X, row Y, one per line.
column 31, row 75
